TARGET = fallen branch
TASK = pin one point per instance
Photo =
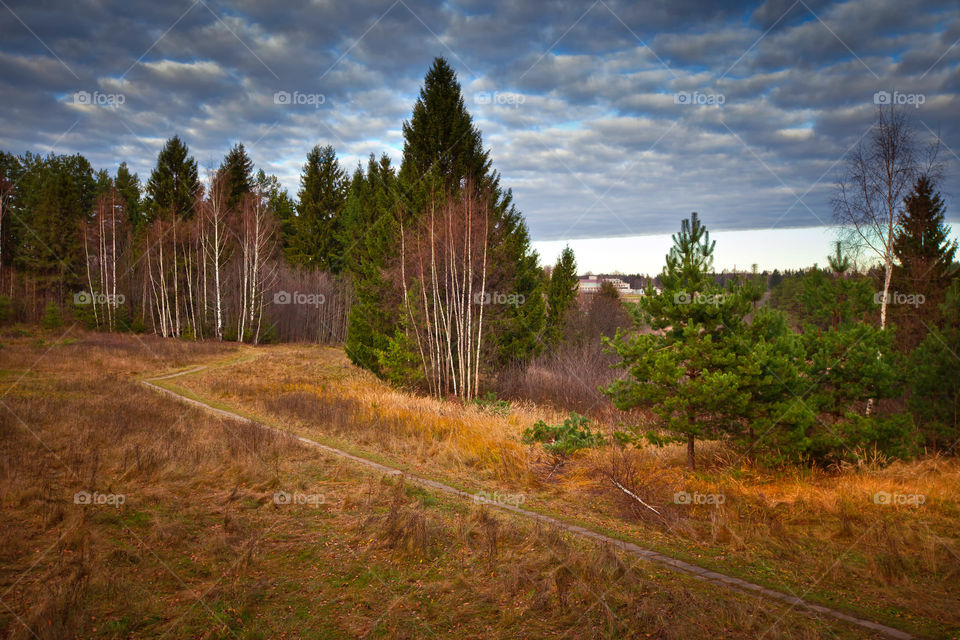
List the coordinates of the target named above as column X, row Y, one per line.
column 631, row 494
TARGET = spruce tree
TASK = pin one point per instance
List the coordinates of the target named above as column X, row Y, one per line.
column 173, row 185
column 368, row 235
column 237, row 169
column 561, row 293
column 935, row 377
column 443, row 153
column 128, row 186
column 924, row 265
column 323, row 193
column 283, row 206
column 442, row 148
column 55, row 195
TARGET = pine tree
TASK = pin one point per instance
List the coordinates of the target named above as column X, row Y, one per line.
column 237, row 169
column 323, row 194
column 561, row 293
column 935, row 377
column 687, row 373
column 173, row 185
column 924, row 264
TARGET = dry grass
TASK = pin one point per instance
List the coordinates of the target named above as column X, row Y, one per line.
column 806, row 531
column 200, row 549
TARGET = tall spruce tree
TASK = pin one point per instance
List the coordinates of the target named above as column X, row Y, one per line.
column 924, row 265
column 368, row 236
column 561, row 293
column 128, row 186
column 443, row 153
column 237, row 172
column 323, row 194
column 442, row 148
column 174, row 184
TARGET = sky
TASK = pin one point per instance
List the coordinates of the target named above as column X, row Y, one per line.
column 610, row 121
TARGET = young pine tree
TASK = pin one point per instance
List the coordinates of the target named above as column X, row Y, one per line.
column 687, row 371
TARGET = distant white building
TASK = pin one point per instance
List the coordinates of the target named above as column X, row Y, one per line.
column 592, row 284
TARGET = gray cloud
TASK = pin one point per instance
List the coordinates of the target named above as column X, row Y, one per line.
column 578, row 102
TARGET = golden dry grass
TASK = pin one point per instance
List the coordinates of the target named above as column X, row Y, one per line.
column 815, row 533
column 200, row 549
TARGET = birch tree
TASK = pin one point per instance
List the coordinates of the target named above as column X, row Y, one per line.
column 214, row 219
column 880, row 173
column 444, row 256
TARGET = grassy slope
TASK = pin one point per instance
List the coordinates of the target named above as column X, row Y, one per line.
column 817, row 535
column 200, row 549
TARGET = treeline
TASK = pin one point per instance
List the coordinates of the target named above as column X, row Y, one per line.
column 425, row 271
column 814, row 376
column 168, row 256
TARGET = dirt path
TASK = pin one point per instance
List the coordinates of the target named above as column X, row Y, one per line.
column 652, row 556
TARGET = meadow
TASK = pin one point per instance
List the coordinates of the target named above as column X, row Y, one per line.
column 184, row 534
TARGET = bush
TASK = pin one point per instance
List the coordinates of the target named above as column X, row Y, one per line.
column 52, row 318
column 6, row 309
column 398, row 363
column 562, row 440
column 83, row 313
column 491, row 404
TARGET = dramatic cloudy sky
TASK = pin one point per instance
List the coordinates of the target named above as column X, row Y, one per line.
column 607, row 118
